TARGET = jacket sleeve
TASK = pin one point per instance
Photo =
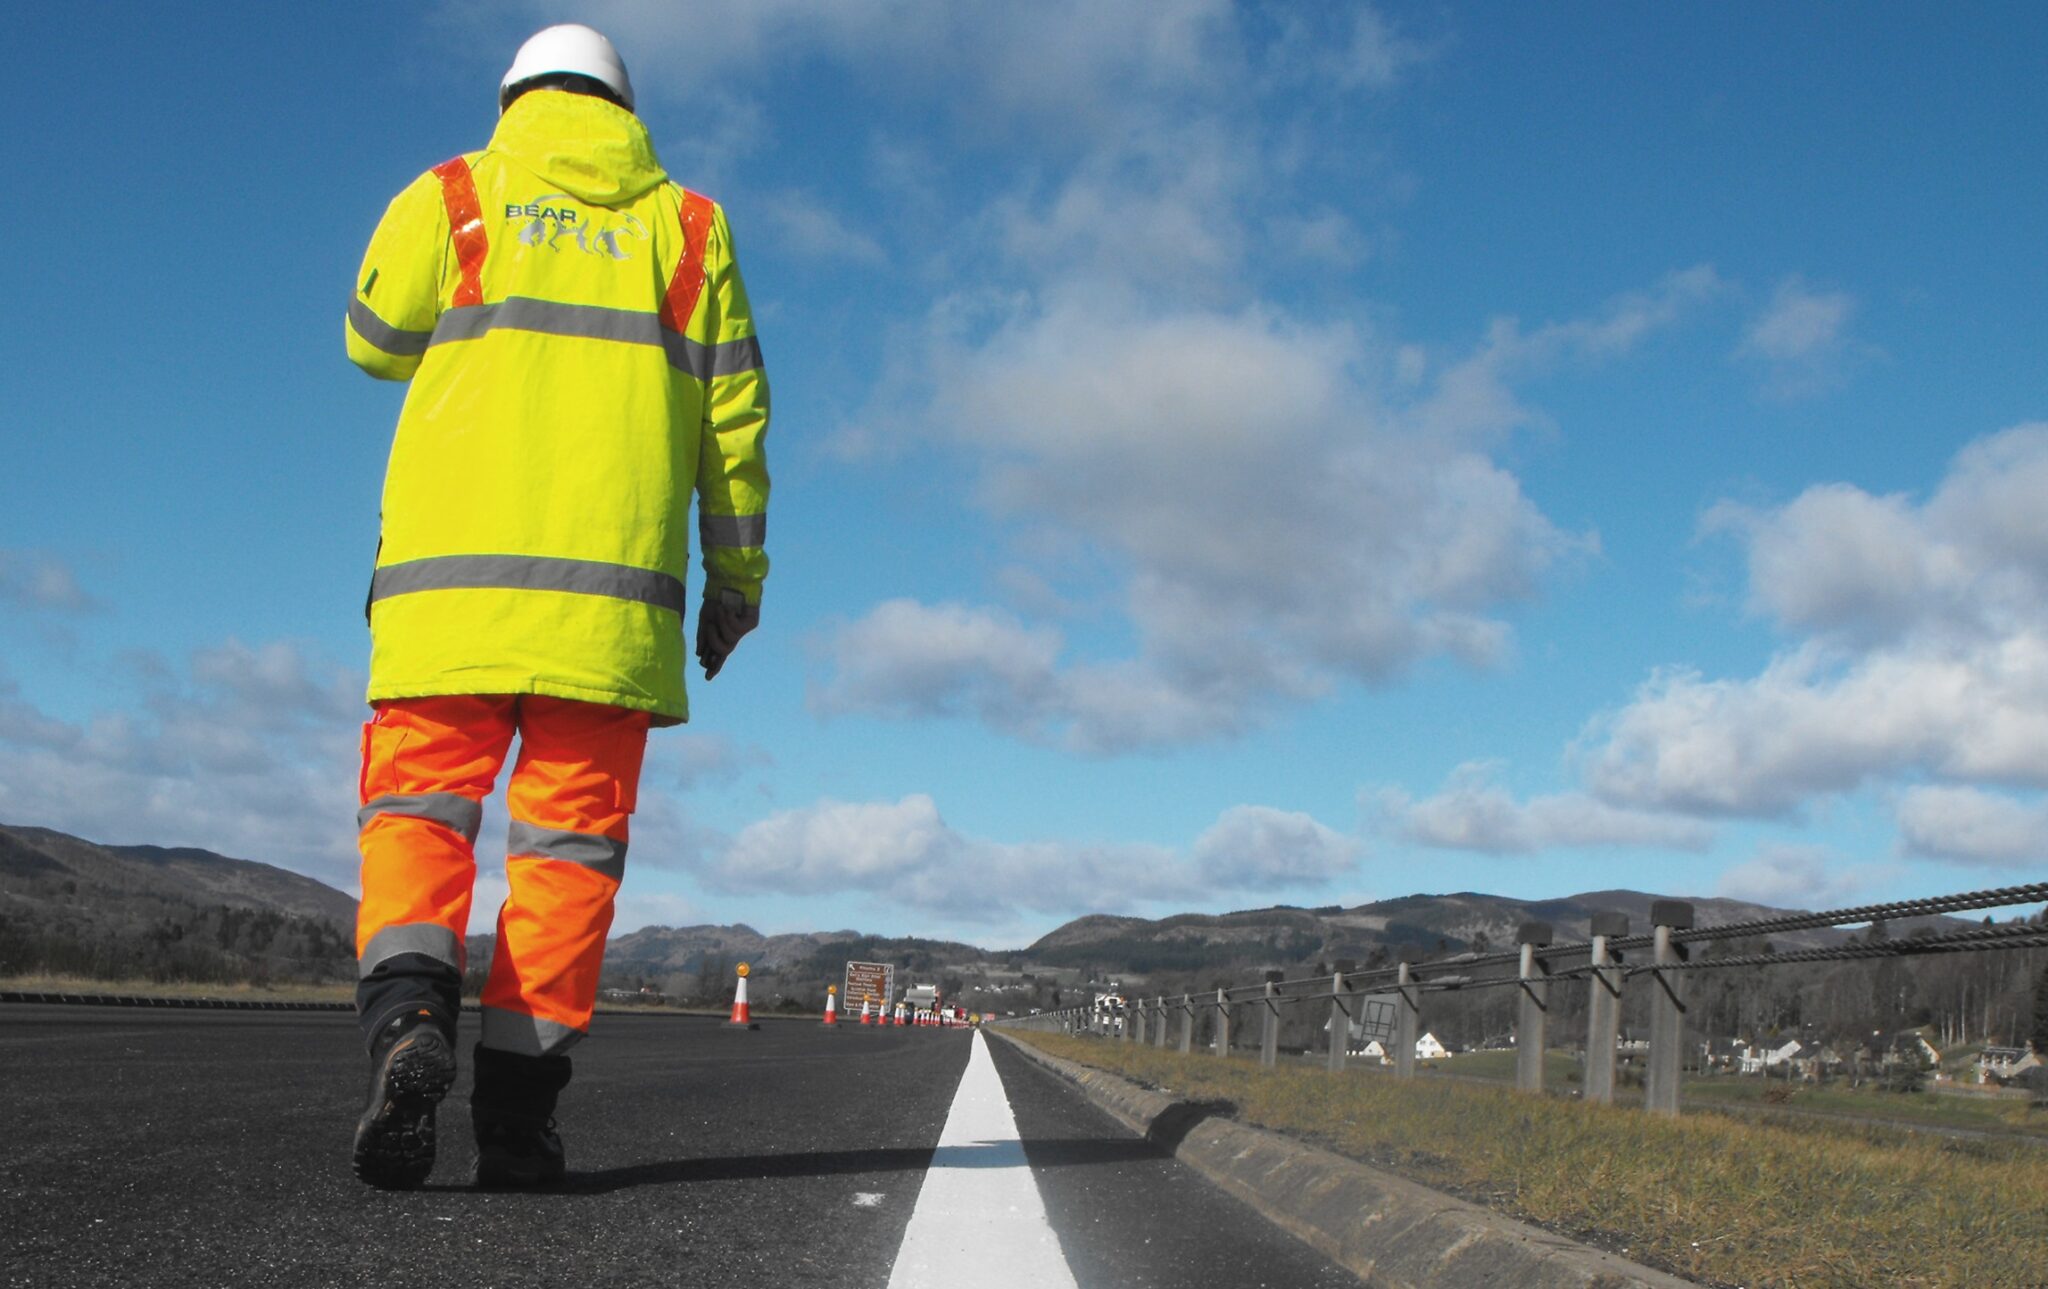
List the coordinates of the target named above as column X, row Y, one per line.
column 732, row 463
column 397, row 297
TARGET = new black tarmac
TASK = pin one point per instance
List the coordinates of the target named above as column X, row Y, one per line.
column 177, row 1148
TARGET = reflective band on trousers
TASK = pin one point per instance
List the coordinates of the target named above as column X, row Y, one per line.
column 428, row 939
column 597, row 322
column 599, row 854
column 457, row 812
column 732, row 530
column 510, row 1031
column 529, row 573
column 382, row 334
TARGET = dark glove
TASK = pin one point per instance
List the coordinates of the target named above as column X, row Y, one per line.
column 722, row 619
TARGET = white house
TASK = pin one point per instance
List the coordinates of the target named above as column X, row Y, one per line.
column 1755, row 1059
column 1426, row 1049
column 2004, row 1062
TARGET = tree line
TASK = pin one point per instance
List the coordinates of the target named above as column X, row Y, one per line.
column 219, row 944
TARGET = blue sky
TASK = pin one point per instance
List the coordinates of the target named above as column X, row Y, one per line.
column 1224, row 454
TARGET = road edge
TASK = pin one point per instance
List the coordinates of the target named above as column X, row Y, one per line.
column 1384, row 1229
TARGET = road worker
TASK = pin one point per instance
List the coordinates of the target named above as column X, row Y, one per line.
column 582, row 359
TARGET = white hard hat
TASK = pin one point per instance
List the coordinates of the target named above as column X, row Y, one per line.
column 570, row 47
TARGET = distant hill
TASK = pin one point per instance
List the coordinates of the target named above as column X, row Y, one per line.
column 1429, row 925
column 657, row 950
column 72, row 906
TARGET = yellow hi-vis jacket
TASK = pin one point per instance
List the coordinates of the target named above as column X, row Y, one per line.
column 582, row 358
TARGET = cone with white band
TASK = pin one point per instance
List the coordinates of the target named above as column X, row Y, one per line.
column 741, row 1018
column 831, row 1006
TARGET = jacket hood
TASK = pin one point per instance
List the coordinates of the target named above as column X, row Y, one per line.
column 595, row 151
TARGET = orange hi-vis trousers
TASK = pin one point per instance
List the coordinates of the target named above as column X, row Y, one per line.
column 428, row 763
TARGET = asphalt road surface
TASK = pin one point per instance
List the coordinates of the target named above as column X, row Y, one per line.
column 142, row 1147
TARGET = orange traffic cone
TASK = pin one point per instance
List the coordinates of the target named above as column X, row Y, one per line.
column 865, row 1002
column 741, row 1019
column 831, row 1005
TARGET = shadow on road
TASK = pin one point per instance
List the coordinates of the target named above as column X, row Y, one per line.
column 822, row 1163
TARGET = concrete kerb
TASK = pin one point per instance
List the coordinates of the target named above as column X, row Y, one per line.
column 1383, row 1229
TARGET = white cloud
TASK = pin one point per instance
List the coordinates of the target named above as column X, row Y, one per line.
column 1816, row 723
column 1927, row 652
column 249, row 751
column 687, row 759
column 805, row 227
column 1059, row 66
column 1798, row 323
column 1257, row 847
column 905, row 851
column 1839, row 561
column 1971, row 826
column 1475, row 813
column 1473, row 399
column 1800, row 877
column 1326, row 527
column 33, row 580
column 1801, row 339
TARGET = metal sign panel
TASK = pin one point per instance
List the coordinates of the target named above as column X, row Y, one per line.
column 1375, row 1017
column 875, row 980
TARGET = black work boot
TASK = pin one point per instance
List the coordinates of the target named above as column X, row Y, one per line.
column 512, row 1110
column 412, row 1065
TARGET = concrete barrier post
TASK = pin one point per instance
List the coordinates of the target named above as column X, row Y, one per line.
column 1136, row 1008
column 1603, row 1008
column 1269, row 1036
column 1667, row 1008
column 1531, row 1019
column 1187, row 1024
column 1160, row 1029
column 1407, row 1023
column 1222, row 1023
column 1340, row 1022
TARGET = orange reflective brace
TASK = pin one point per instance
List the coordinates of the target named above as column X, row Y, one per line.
column 688, row 282
column 578, row 774
column 428, row 763
column 465, row 228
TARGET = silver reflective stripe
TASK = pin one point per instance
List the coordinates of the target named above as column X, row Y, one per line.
column 436, row 942
column 592, row 851
column 732, row 530
column 458, row 812
column 597, row 322
column 382, row 334
column 509, row 1031
column 727, row 358
column 529, row 573
column 550, row 317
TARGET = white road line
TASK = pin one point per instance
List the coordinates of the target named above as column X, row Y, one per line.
column 979, row 1219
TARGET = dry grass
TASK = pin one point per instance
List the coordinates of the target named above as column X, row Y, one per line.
column 1706, row 1196
column 322, row 993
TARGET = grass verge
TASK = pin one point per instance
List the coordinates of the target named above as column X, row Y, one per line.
column 323, row 993
column 1725, row 1200
column 1928, row 1109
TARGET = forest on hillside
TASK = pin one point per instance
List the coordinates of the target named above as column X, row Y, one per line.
column 198, row 944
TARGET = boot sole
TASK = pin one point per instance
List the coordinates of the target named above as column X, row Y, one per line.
column 394, row 1147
